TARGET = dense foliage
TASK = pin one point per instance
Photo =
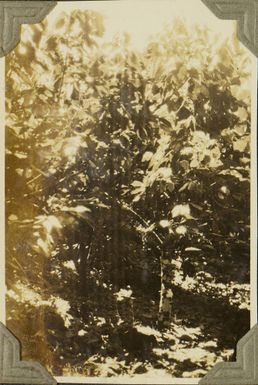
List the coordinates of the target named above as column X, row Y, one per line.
column 127, row 198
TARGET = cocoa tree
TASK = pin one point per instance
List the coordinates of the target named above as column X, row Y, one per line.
column 125, row 166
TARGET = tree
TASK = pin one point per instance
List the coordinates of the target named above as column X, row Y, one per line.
column 124, row 171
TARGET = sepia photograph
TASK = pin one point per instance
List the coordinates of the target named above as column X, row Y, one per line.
column 129, row 182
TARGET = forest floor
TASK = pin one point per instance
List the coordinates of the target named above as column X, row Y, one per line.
column 196, row 339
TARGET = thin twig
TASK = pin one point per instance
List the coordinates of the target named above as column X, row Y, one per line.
column 63, row 75
column 128, row 208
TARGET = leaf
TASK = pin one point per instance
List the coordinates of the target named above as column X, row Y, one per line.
column 170, row 186
column 162, row 112
column 181, row 230
column 186, row 151
column 137, row 183
column 52, row 43
column 242, row 114
column 40, row 110
column 194, row 163
column 122, row 294
column 42, row 246
column 68, row 90
column 28, row 98
column 240, row 93
column 164, row 223
column 165, row 172
column 138, row 190
column 60, row 23
column 51, row 222
column 81, row 209
column 240, row 130
column 192, row 249
column 181, row 210
column 12, row 217
column 147, row 156
column 137, row 198
column 81, row 333
column 184, row 187
column 185, row 165
column 23, row 75
column 196, row 206
column 225, row 190
column 234, row 173
column 20, row 155
column 241, row 144
column 32, row 122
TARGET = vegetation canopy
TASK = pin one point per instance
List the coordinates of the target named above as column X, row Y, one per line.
column 127, row 198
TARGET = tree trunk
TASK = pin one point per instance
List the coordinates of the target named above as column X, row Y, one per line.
column 167, row 276
column 116, row 217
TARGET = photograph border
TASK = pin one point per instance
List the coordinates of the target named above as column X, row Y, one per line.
column 245, row 370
